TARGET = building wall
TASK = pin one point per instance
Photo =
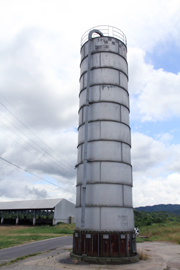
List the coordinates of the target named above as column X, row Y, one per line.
column 63, row 210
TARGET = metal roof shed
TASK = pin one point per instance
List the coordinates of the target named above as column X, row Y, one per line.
column 63, row 209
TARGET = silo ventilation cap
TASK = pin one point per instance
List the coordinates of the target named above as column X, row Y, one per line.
column 94, row 31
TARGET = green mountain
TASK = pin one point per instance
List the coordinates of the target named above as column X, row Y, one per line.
column 172, row 208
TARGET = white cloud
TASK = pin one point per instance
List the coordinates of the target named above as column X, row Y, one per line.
column 147, row 152
column 39, row 72
column 57, row 167
column 156, row 171
column 160, row 190
column 20, row 189
column 36, row 84
column 155, row 93
column 164, row 137
column 144, row 22
column 154, row 157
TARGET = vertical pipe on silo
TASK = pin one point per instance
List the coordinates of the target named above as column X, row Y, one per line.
column 83, row 197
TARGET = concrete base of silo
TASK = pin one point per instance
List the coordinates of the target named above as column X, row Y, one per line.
column 105, row 260
column 104, row 247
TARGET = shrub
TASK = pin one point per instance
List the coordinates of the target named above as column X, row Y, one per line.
column 142, row 255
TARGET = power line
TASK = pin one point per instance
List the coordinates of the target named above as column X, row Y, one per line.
column 28, row 128
column 35, row 175
column 35, row 144
column 35, row 155
column 36, row 150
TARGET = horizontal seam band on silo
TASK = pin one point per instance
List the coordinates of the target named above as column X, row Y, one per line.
column 104, row 101
column 106, row 206
column 94, row 52
column 107, row 36
column 97, row 160
column 86, row 56
column 105, row 120
column 105, row 140
column 103, row 182
column 104, row 84
column 104, row 67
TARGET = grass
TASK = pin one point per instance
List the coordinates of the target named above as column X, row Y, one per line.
column 141, row 240
column 17, row 235
column 19, row 259
column 168, row 232
column 142, row 255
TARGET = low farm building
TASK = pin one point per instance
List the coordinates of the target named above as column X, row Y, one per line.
column 37, row 212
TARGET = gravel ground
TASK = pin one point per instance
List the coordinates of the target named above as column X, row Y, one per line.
column 161, row 256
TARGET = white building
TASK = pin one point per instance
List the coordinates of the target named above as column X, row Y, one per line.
column 50, row 211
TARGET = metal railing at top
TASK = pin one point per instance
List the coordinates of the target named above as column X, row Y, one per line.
column 108, row 31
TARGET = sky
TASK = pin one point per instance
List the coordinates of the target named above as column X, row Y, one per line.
column 39, row 86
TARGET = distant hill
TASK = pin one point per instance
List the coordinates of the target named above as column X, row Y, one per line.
column 172, row 208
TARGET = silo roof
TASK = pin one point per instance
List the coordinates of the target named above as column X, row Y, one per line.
column 30, row 204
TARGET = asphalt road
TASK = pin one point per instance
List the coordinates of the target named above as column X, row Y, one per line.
column 8, row 254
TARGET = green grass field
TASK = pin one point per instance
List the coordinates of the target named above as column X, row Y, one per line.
column 17, row 235
column 168, row 232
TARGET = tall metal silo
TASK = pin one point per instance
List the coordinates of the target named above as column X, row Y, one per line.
column 104, row 211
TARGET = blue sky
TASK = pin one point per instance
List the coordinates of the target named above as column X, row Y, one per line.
column 39, row 76
column 165, row 56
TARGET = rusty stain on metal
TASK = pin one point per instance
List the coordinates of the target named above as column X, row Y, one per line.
column 104, row 244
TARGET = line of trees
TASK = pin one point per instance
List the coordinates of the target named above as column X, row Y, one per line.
column 147, row 218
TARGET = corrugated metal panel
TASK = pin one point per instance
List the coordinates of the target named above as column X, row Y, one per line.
column 31, row 204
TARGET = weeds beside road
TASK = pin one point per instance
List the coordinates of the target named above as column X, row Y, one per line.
column 168, row 232
column 17, row 235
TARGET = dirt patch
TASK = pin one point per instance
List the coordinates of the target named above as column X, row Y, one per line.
column 68, row 260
